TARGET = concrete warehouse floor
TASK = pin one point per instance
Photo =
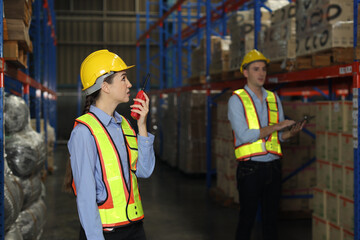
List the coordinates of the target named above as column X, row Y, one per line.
column 176, row 206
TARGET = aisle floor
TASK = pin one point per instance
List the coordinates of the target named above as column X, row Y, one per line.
column 177, row 207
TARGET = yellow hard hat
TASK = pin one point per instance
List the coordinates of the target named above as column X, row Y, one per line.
column 252, row 56
column 97, row 66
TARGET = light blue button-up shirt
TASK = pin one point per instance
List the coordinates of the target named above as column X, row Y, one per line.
column 86, row 168
column 236, row 116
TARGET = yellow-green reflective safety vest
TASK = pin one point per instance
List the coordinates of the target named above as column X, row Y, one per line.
column 123, row 204
column 261, row 146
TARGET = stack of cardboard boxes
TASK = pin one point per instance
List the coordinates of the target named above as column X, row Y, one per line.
column 241, row 27
column 298, row 151
column 169, row 121
column 220, row 61
column 192, row 145
column 198, row 57
column 333, row 201
column 223, row 150
column 17, row 42
column 279, row 42
column 322, row 25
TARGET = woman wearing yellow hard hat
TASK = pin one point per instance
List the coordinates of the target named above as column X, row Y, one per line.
column 107, row 155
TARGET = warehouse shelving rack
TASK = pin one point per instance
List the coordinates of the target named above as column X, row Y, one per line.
column 37, row 84
column 339, row 80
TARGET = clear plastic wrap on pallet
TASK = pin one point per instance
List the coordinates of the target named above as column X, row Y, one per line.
column 32, row 220
column 13, row 200
column 14, row 233
column 32, row 188
column 16, row 114
column 25, row 152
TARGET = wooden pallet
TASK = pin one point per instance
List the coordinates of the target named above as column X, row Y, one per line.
column 333, row 56
column 226, row 76
column 196, row 80
column 287, row 65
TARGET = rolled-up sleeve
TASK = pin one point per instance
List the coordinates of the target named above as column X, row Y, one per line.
column 83, row 157
column 146, row 160
column 236, row 116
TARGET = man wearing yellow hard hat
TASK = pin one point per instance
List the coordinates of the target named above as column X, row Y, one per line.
column 106, row 154
column 258, row 124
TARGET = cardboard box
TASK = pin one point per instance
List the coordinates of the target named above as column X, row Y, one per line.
column 321, row 146
column 307, row 177
column 337, row 178
column 295, row 156
column 349, row 182
column 323, row 116
column 332, row 207
column 319, row 202
column 15, row 54
column 18, row 9
column 333, row 147
column 307, row 139
column 319, row 228
column 347, row 149
column 284, row 13
column 323, row 174
column 335, row 231
column 17, row 31
column 313, row 15
column 341, row 119
column 325, row 38
column 347, row 235
column 346, row 213
column 279, row 42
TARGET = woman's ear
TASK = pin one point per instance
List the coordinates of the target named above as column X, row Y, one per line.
column 105, row 87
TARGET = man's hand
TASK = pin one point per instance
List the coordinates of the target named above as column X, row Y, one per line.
column 284, row 124
column 294, row 130
column 266, row 131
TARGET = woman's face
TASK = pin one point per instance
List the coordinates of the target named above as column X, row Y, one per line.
column 120, row 87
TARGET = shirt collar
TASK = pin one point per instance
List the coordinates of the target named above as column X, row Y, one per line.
column 104, row 117
column 253, row 95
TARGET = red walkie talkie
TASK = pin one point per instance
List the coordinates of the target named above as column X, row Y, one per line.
column 140, row 95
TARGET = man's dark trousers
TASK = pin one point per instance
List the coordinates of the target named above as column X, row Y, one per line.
column 259, row 183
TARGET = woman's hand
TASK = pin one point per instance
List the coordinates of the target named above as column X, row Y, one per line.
column 142, row 109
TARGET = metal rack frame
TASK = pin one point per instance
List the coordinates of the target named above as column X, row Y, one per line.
column 38, row 83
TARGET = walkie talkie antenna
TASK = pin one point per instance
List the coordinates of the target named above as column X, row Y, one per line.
column 146, row 80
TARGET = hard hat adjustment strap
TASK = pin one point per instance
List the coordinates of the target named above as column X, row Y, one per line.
column 97, row 84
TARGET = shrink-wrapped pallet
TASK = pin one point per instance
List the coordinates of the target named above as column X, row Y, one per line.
column 16, row 114
column 31, row 187
column 13, row 200
column 13, row 233
column 25, row 152
column 32, row 220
